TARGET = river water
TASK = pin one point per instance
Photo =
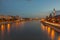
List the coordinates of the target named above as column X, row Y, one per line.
column 29, row 30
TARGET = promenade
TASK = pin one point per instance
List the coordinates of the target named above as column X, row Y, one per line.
column 55, row 26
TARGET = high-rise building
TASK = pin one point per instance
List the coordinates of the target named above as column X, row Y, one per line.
column 54, row 12
column 50, row 16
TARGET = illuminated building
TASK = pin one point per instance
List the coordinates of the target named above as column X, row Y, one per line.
column 54, row 12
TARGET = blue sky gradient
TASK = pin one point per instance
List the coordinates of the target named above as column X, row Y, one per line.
column 28, row 8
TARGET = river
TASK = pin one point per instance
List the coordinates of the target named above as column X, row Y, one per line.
column 29, row 30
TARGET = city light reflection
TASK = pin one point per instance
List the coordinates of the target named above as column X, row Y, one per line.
column 17, row 23
column 49, row 29
column 8, row 28
column 23, row 22
column 46, row 28
column 52, row 34
column 43, row 27
column 2, row 31
column 59, row 37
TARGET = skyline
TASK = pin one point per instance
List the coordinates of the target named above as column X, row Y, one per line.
column 28, row 8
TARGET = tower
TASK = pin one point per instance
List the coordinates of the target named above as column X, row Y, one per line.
column 54, row 12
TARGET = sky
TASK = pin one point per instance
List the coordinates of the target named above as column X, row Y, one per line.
column 28, row 8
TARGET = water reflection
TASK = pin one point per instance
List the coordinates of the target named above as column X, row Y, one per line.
column 59, row 37
column 2, row 31
column 46, row 28
column 43, row 27
column 53, row 35
column 17, row 23
column 49, row 29
column 22, row 22
column 8, row 28
column 23, row 29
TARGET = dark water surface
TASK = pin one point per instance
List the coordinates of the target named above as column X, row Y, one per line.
column 30, row 30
